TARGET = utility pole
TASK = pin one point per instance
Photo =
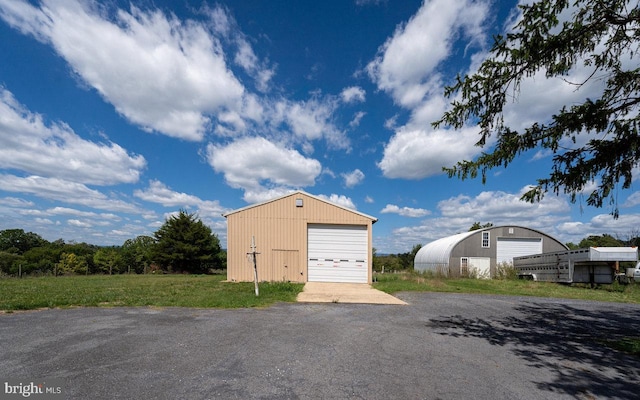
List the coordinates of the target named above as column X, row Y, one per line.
column 255, row 264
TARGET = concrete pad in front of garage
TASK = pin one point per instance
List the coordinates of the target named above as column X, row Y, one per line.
column 323, row 292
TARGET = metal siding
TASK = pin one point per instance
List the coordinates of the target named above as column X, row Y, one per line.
column 286, row 263
column 435, row 255
column 337, row 253
column 280, row 225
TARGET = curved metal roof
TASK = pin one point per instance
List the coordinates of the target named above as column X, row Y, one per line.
column 436, row 254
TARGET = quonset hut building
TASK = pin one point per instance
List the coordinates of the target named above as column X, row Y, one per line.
column 480, row 252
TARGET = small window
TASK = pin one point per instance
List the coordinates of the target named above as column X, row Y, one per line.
column 485, row 240
column 464, row 266
column 298, row 202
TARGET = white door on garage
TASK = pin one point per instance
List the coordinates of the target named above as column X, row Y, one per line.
column 480, row 267
column 338, row 253
column 507, row 248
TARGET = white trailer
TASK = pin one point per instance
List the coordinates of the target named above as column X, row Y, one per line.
column 588, row 265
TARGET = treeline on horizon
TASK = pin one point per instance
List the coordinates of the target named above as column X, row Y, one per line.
column 182, row 245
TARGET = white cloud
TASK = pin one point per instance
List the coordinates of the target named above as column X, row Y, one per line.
column 575, row 231
column 246, row 58
column 501, row 208
column 27, row 144
column 391, row 123
column 65, row 192
column 405, row 211
column 171, row 76
column 221, row 21
column 226, row 26
column 158, row 192
column 258, row 165
column 353, row 178
column 262, row 194
column 539, row 98
column 353, row 94
column 405, row 65
column 605, row 223
column 161, row 73
column 339, row 199
column 632, row 200
column 418, row 154
column 311, row 120
column 16, row 202
column 415, row 151
column 357, row 118
column 574, row 228
column 80, row 213
column 80, row 224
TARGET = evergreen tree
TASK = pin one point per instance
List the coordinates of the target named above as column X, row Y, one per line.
column 185, row 244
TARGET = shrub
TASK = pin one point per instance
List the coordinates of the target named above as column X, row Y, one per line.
column 506, row 271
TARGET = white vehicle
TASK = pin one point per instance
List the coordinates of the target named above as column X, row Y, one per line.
column 629, row 275
column 588, row 265
column 636, row 273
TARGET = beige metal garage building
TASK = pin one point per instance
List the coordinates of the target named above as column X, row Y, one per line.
column 300, row 238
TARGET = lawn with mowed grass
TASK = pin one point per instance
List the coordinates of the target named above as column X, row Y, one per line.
column 411, row 281
column 212, row 291
column 203, row 291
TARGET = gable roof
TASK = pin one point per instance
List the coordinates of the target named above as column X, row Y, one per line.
column 300, row 192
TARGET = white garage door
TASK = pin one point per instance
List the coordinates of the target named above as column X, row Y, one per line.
column 507, row 248
column 338, row 253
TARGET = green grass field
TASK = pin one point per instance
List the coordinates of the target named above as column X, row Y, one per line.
column 204, row 291
column 407, row 282
column 210, row 291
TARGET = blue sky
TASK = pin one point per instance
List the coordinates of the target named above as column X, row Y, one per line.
column 114, row 115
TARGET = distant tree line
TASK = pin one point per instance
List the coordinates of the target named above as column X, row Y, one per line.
column 632, row 238
column 394, row 262
column 183, row 244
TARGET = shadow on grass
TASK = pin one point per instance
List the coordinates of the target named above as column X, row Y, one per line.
column 564, row 339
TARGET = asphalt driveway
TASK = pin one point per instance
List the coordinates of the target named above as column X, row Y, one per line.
column 439, row 346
